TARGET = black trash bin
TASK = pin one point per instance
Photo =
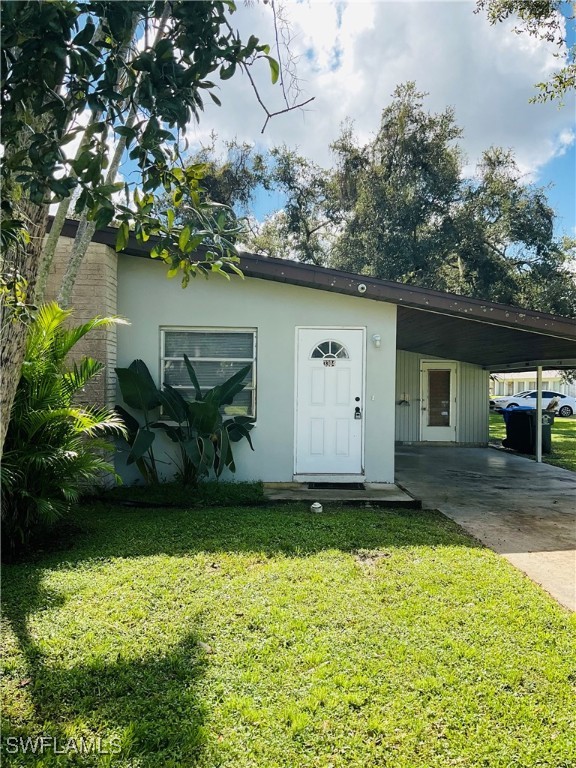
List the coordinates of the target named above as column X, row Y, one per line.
column 521, row 427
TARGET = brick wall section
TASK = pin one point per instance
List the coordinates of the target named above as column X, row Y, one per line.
column 95, row 293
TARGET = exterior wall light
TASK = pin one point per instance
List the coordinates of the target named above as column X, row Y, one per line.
column 376, row 340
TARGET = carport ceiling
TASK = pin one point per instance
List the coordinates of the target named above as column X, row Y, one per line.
column 490, row 345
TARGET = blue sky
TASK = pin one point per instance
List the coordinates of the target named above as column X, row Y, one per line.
column 560, row 174
column 352, row 56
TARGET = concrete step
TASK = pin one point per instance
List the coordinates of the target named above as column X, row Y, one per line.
column 375, row 494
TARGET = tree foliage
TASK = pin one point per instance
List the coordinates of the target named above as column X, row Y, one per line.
column 111, row 75
column 506, row 240
column 61, row 59
column 399, row 191
column 312, row 213
column 230, row 180
column 232, row 177
column 401, row 207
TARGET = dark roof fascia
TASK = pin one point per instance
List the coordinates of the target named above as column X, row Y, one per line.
column 423, row 299
column 336, row 281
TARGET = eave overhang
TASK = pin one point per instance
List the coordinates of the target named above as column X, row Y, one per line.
column 495, row 336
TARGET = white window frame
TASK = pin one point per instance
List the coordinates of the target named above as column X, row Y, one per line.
column 251, row 387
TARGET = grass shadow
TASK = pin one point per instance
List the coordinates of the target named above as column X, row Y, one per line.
column 137, row 704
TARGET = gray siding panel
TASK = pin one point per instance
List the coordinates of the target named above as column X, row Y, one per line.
column 473, row 412
column 408, row 388
column 472, row 400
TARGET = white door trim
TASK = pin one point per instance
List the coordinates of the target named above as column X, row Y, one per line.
column 329, row 477
column 453, row 367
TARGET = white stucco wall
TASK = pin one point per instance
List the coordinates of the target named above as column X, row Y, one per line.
column 148, row 300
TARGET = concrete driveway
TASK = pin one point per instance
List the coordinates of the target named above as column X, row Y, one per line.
column 520, row 509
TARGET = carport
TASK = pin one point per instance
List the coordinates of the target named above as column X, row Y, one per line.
column 496, row 337
column 522, row 510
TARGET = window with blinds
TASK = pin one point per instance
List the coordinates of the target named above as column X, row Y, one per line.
column 216, row 355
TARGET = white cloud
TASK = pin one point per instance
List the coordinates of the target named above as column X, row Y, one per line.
column 353, row 54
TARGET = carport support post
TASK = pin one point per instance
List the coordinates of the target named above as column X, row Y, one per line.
column 539, row 413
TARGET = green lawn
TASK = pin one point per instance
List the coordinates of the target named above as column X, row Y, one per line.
column 563, row 440
column 273, row 637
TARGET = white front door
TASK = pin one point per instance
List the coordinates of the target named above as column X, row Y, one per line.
column 439, row 388
column 329, row 401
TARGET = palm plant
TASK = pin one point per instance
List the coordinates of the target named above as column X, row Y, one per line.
column 54, row 448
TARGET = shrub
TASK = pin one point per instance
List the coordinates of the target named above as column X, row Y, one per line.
column 54, row 449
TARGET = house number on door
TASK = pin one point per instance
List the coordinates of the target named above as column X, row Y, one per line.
column 329, row 363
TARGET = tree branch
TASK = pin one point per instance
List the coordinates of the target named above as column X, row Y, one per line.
column 273, row 4
column 270, row 115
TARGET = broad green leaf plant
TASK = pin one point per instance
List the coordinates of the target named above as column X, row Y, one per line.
column 203, row 436
column 139, row 393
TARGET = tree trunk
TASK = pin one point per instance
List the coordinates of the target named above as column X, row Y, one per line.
column 49, row 251
column 82, row 240
column 24, row 262
column 64, row 205
column 87, row 228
